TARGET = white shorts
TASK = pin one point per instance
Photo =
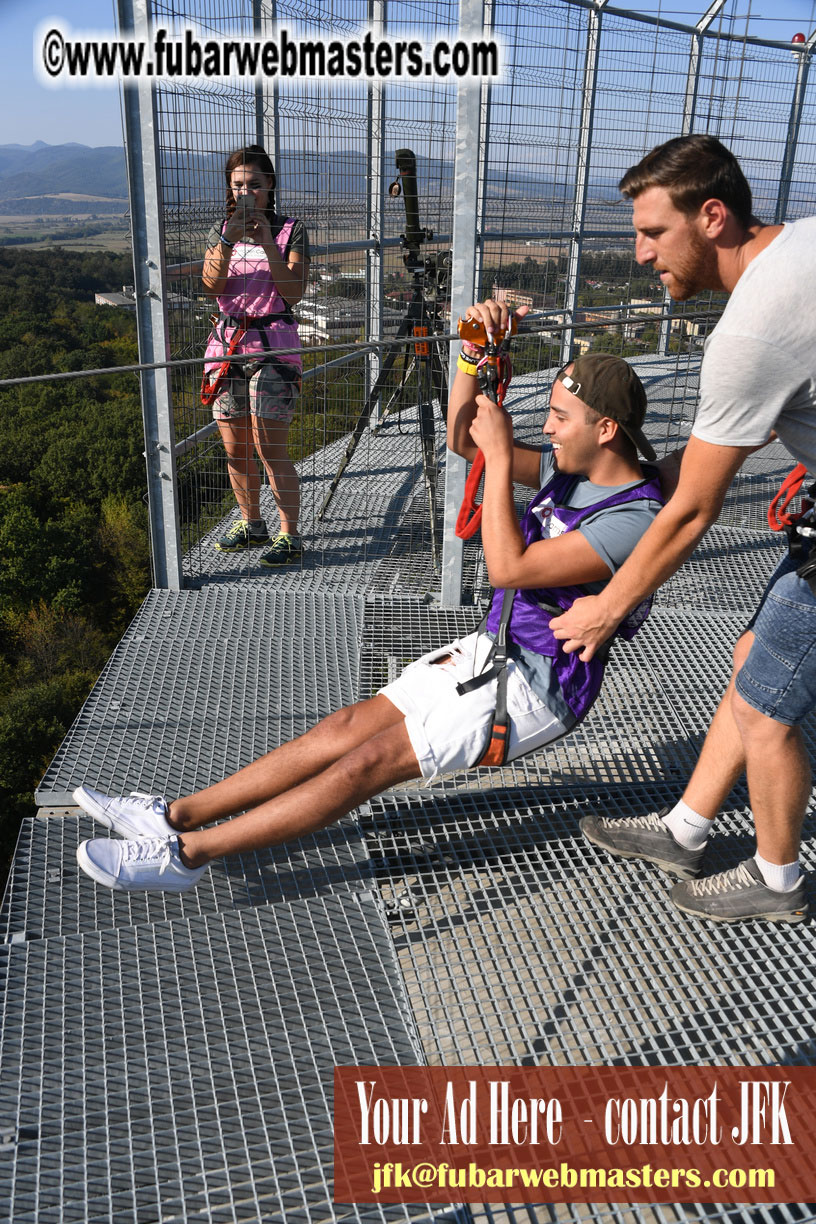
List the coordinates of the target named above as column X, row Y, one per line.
column 449, row 731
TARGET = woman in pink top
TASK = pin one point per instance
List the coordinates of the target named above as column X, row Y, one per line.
column 256, row 265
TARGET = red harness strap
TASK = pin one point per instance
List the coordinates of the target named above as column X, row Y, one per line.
column 211, row 387
column 778, row 520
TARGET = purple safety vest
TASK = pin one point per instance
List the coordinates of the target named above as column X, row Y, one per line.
column 529, row 624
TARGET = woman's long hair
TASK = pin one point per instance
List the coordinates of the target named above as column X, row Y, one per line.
column 251, row 155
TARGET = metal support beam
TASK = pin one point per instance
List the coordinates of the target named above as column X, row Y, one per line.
column 257, row 33
column 144, row 191
column 466, row 177
column 488, row 17
column 693, row 78
column 582, row 174
column 689, row 110
column 375, row 140
column 794, row 122
column 264, row 21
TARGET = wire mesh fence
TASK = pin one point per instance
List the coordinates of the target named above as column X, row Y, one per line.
column 585, row 93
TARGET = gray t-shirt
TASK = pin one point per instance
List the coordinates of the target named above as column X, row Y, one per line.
column 759, row 369
column 613, row 533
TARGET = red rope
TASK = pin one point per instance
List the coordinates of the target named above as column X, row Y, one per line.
column 778, row 520
column 469, row 518
column 470, row 514
column 209, row 389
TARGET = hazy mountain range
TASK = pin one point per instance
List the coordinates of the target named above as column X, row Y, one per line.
column 41, row 178
column 33, row 177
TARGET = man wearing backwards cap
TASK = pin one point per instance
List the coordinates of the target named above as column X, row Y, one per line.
column 593, row 504
column 694, row 223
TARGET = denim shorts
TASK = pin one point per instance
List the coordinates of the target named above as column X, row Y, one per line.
column 448, row 731
column 779, row 676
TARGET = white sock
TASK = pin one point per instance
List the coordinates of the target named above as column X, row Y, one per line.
column 688, row 827
column 780, row 879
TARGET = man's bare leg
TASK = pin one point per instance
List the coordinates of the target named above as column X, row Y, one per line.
column 779, row 781
column 383, row 760
column 288, row 766
column 722, row 756
column 675, row 838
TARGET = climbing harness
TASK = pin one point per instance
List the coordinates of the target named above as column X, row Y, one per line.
column 579, row 682
column 494, row 372
column 212, row 382
column 495, row 666
column 799, row 528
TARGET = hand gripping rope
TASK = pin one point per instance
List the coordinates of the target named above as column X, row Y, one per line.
column 494, row 372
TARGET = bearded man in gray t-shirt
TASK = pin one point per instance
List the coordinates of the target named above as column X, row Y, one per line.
column 694, row 223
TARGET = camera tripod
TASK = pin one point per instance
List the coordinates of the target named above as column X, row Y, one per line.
column 421, row 356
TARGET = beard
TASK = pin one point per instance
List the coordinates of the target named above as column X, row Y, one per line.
column 695, row 270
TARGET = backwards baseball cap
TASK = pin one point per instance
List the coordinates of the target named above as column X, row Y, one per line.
column 609, row 386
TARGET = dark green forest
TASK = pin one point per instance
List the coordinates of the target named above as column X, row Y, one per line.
column 74, row 561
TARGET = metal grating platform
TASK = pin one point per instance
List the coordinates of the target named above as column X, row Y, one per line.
column 47, row 894
column 374, row 536
column 204, row 682
column 521, row 943
column 175, row 1071
column 510, row 939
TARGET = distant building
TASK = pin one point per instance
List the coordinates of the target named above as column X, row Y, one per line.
column 516, row 297
column 336, row 319
column 127, row 298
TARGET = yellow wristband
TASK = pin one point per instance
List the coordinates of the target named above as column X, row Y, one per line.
column 467, row 367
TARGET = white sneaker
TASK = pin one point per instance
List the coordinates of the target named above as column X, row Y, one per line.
column 133, row 815
column 151, row 863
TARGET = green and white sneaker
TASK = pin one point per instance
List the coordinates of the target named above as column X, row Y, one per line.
column 240, row 536
column 285, row 549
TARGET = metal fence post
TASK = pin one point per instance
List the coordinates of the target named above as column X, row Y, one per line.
column 264, row 20
column 582, row 175
column 794, row 121
column 689, row 111
column 375, row 140
column 144, row 191
column 466, row 179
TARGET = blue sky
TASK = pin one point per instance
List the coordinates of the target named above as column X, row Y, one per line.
column 29, row 112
